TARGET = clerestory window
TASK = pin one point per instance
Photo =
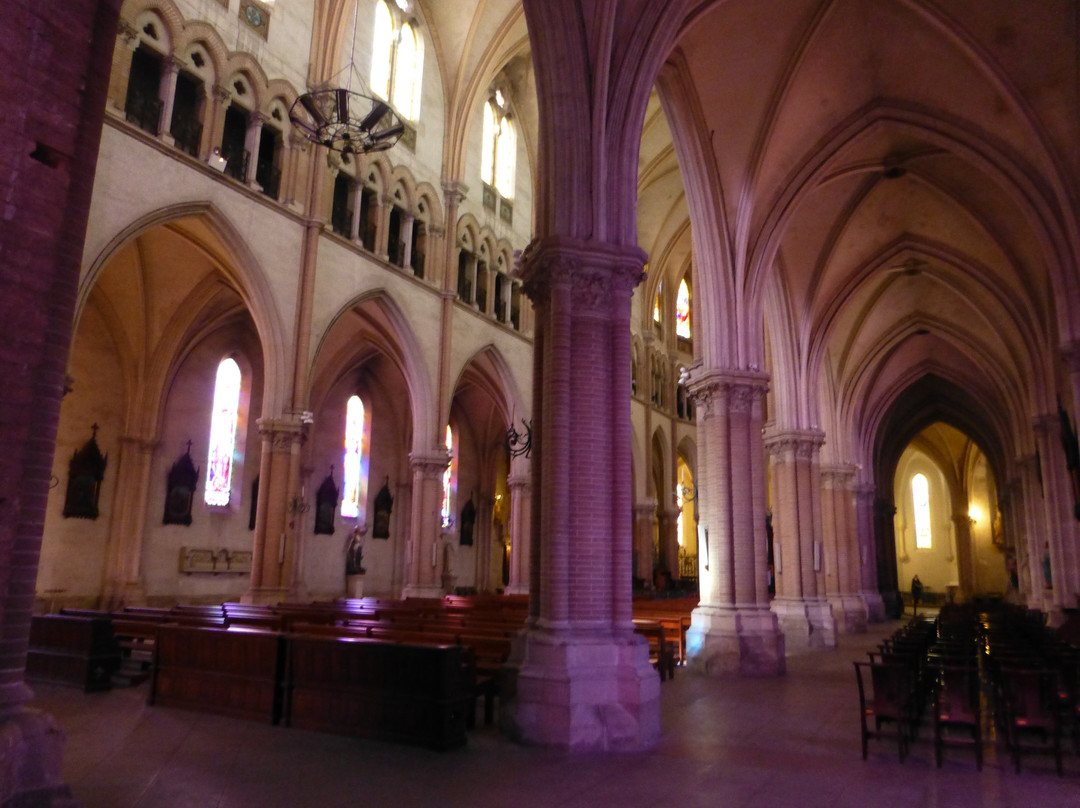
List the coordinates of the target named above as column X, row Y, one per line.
column 397, row 58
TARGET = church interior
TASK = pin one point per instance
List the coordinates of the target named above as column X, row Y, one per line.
column 766, row 308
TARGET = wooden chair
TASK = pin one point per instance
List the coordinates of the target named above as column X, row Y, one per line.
column 889, row 701
column 956, row 702
column 1029, row 697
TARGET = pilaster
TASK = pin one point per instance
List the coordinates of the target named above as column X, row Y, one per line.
column 127, row 42
column 804, row 615
column 123, row 557
column 841, row 549
column 170, row 68
column 520, row 495
column 868, row 579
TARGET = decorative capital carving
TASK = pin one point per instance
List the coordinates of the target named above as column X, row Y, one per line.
column 284, row 434
column 840, row 476
column 430, row 466
column 172, row 64
column 454, row 191
column 223, row 95
column 596, row 274
column 257, row 119
column 732, row 391
column 519, row 480
column 127, row 34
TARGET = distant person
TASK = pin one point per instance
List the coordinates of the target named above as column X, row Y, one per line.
column 916, row 594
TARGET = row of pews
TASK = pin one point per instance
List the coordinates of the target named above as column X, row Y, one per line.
column 413, row 670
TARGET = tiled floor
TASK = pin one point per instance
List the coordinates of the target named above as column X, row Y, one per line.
column 727, row 743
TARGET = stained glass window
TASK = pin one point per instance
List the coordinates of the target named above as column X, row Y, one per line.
column 487, row 153
column 682, row 310
column 657, row 317
column 449, row 480
column 920, row 492
column 223, row 433
column 408, row 67
column 355, row 461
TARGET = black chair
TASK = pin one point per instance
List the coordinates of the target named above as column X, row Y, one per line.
column 889, row 700
column 957, row 706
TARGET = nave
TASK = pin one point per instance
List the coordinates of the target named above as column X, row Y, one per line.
column 788, row 741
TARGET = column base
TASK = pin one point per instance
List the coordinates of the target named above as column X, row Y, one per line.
column 850, row 613
column 31, row 752
column 516, row 589
column 806, row 622
column 744, row 640
column 265, row 596
column 582, row 691
column 875, row 607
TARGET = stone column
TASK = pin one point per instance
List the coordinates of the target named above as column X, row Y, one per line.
column 644, row 530
column 669, row 539
column 382, row 231
column 405, row 233
column 1032, row 546
column 170, row 68
column 127, row 42
column 123, row 583
column 251, row 142
column 1060, row 526
column 294, row 176
column 520, row 495
column 732, row 629
column 867, row 549
column 274, row 545
column 424, row 562
column 580, row 676
column 841, row 553
column 804, row 615
column 217, row 101
column 965, row 557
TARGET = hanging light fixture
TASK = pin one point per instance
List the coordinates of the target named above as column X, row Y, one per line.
column 345, row 120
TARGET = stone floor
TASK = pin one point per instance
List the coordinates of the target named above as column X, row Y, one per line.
column 773, row 743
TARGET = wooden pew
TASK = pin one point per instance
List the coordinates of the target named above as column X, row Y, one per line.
column 72, row 650
column 417, row 694
column 234, row 671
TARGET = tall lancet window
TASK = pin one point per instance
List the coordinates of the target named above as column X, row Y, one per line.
column 355, row 461
column 920, row 494
column 223, row 433
column 397, row 58
column 657, row 314
column 682, row 310
column 449, row 480
column 498, row 159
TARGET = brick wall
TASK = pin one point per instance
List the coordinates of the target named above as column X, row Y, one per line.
column 54, row 63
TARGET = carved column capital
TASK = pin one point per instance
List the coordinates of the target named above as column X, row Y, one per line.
column 222, row 95
column 721, row 390
column 454, row 191
column 429, row 465
column 172, row 64
column 596, row 273
column 838, row 476
column 790, row 444
column 285, row 434
column 127, row 35
column 257, row 119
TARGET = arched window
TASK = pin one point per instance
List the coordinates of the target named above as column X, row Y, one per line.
column 449, row 480
column 682, row 310
column 498, row 159
column 397, row 58
column 355, row 461
column 684, row 500
column 657, row 314
column 920, row 494
column 223, row 433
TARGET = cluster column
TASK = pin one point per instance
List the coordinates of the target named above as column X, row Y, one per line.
column 842, row 580
column 867, row 549
column 732, row 629
column 581, row 676
column 805, row 616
